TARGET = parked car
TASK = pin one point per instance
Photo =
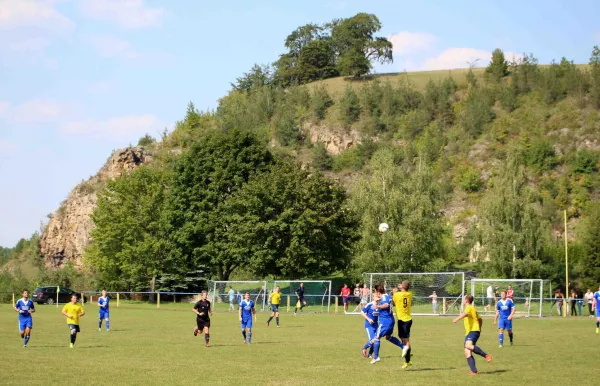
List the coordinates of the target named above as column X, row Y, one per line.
column 47, row 295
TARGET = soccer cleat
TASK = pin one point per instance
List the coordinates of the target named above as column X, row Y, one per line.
column 71, row 345
column 597, row 330
column 404, row 351
column 24, row 346
column 195, row 331
column 278, row 326
column 108, row 330
column 370, row 356
column 99, row 329
column 500, row 346
column 375, row 361
column 488, row 358
column 208, row 345
column 364, row 353
column 406, row 365
column 472, row 373
column 511, row 343
column 267, row 324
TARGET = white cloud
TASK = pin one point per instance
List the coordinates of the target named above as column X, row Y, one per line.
column 4, row 107
column 38, row 111
column 410, row 42
column 126, row 13
column 113, row 47
column 461, row 57
column 32, row 14
column 125, row 128
column 29, row 44
column 7, row 148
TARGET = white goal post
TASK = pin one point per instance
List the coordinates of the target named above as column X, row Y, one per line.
column 218, row 293
column 528, row 295
column 434, row 293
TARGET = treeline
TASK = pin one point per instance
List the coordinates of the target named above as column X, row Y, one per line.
column 345, row 47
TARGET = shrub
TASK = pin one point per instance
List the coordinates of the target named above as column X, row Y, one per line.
column 349, row 107
column 540, row 155
column 585, row 162
column 320, row 102
column 469, row 179
column 320, row 158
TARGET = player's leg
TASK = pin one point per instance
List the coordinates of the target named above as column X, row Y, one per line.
column 405, row 336
column 107, row 323
column 249, row 334
column 277, row 316
column 100, row 318
column 469, row 357
column 509, row 329
column 393, row 339
column 377, row 343
column 243, row 325
column 73, row 333
column 597, row 320
column 27, row 333
column 369, row 345
column 207, row 335
column 501, row 334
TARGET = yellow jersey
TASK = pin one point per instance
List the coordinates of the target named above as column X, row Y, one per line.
column 402, row 303
column 471, row 320
column 275, row 298
column 74, row 310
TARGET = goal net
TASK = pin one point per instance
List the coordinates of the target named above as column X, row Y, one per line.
column 317, row 294
column 528, row 295
column 226, row 295
column 434, row 293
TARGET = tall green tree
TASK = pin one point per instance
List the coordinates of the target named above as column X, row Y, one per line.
column 590, row 242
column 410, row 204
column 595, row 77
column 498, row 67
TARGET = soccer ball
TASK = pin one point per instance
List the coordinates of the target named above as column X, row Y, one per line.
column 383, row 227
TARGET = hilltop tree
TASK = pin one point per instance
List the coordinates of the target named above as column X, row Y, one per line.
column 258, row 76
column 498, row 67
column 595, row 77
column 590, row 240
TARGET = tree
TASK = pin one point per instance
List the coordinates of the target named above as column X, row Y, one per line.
column 349, row 106
column 595, row 77
column 590, row 241
column 320, row 158
column 356, row 46
column 257, row 77
column 206, row 175
column 320, row 102
column 498, row 67
column 129, row 245
column 410, row 204
column 146, row 140
column 316, row 61
column 290, row 223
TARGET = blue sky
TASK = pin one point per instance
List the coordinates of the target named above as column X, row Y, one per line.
column 79, row 78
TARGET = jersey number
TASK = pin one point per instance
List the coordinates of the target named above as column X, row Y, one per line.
column 405, row 302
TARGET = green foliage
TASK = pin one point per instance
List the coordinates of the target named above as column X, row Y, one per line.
column 356, row 157
column 595, row 77
column 256, row 78
column 320, row 158
column 320, row 102
column 585, row 162
column 146, row 140
column 590, row 241
column 498, row 67
column 540, row 155
column 349, row 107
column 469, row 179
column 477, row 111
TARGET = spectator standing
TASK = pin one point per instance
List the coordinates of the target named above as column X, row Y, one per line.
column 589, row 298
column 573, row 303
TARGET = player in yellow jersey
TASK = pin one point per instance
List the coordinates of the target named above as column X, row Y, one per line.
column 473, row 325
column 402, row 301
column 274, row 300
column 73, row 311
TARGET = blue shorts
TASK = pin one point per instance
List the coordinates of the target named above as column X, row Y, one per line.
column 275, row 307
column 25, row 323
column 104, row 314
column 505, row 324
column 246, row 323
column 597, row 311
column 345, row 299
column 74, row 327
column 473, row 336
column 371, row 330
column 385, row 329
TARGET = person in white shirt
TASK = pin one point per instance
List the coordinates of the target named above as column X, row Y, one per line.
column 433, row 298
column 490, row 298
column 231, row 295
column 589, row 298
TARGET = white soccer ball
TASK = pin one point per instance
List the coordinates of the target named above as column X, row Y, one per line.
column 383, row 227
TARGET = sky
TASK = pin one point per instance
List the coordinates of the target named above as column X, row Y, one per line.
column 80, row 78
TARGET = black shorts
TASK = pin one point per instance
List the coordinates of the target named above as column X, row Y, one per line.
column 74, row 327
column 404, row 329
column 201, row 323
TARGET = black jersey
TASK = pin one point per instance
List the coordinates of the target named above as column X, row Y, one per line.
column 203, row 307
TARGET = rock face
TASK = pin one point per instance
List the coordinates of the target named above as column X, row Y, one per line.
column 69, row 229
column 336, row 140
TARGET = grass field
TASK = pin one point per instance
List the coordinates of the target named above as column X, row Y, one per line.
column 147, row 346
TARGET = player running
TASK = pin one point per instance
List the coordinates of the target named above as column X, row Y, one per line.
column 371, row 315
column 73, row 311
column 246, row 311
column 25, row 308
column 301, row 301
column 203, row 311
column 473, row 325
column 505, row 310
column 274, row 300
column 103, row 310
column 596, row 306
column 402, row 301
column 386, row 323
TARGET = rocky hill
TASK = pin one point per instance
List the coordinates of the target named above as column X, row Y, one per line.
column 68, row 232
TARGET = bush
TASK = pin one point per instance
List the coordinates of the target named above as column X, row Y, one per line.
column 349, row 107
column 540, row 155
column 320, row 102
column 320, row 158
column 356, row 157
column 146, row 140
column 585, row 162
column 287, row 131
column 469, row 179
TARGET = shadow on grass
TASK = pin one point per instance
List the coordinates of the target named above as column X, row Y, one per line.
column 243, row 344
column 493, row 372
column 412, row 369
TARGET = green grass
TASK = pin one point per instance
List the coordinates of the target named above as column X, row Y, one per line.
column 156, row 347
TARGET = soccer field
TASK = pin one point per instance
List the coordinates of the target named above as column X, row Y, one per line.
column 147, row 346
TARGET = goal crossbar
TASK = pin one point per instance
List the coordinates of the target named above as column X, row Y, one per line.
column 528, row 292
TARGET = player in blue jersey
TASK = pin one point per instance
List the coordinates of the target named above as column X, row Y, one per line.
column 505, row 310
column 371, row 316
column 103, row 310
column 596, row 306
column 25, row 308
column 386, row 324
column 246, row 312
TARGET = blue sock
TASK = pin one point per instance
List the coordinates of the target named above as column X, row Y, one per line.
column 368, row 345
column 471, row 362
column 396, row 341
column 510, row 336
column 479, row 351
column 244, row 334
column 501, row 338
column 249, row 336
column 107, row 325
column 376, row 345
column 26, row 340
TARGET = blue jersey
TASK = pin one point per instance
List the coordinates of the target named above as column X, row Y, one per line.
column 385, row 314
column 103, row 303
column 300, row 292
column 597, row 298
column 247, row 306
column 25, row 306
column 372, row 313
column 505, row 307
